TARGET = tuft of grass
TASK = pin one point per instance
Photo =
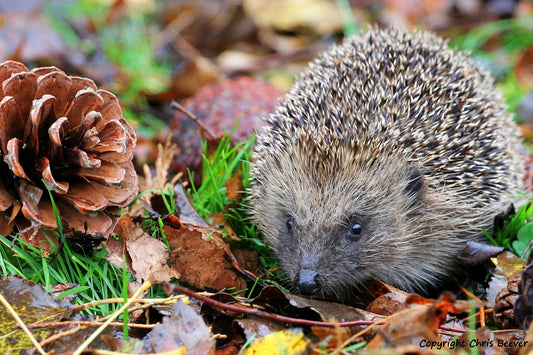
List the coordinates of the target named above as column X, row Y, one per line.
column 97, row 279
column 225, row 163
column 229, row 161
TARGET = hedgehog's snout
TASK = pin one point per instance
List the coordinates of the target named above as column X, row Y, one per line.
column 307, row 282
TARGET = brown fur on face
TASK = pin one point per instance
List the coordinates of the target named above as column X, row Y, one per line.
column 398, row 134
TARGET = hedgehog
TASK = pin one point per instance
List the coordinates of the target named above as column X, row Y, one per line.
column 388, row 154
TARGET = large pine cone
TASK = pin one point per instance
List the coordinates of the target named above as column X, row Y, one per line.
column 64, row 131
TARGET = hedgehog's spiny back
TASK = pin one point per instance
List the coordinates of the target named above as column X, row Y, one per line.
column 393, row 92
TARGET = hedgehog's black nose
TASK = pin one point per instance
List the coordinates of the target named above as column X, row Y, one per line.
column 307, row 282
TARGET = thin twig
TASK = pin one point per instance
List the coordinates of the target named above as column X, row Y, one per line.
column 87, row 323
column 245, row 273
column 145, row 286
column 176, row 105
column 355, row 336
column 150, row 301
column 258, row 313
column 60, row 335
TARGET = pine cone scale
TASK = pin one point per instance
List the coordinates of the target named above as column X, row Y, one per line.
column 117, row 157
column 6, row 221
column 122, row 193
column 112, row 138
column 56, row 133
column 51, row 183
column 11, row 123
column 73, row 219
column 111, row 108
column 109, row 173
column 79, row 158
column 12, row 158
column 6, row 200
column 80, row 84
column 85, row 197
column 39, row 116
column 7, row 69
column 21, row 86
column 84, row 102
column 33, row 207
column 58, row 85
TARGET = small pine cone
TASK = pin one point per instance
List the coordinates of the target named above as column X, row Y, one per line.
column 504, row 308
column 63, row 131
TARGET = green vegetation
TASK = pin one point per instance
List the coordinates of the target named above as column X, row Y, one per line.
column 228, row 161
column 523, row 239
column 97, row 278
column 517, row 233
column 514, row 36
column 350, row 23
column 124, row 43
column 225, row 163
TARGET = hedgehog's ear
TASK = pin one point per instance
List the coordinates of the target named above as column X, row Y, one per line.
column 414, row 186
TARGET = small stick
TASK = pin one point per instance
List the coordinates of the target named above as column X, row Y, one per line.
column 258, row 313
column 145, row 286
column 245, row 273
column 87, row 323
column 177, row 106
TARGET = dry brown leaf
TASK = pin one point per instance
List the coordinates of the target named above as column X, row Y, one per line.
column 524, row 69
column 184, row 329
column 388, row 303
column 234, row 188
column 417, row 323
column 187, row 212
column 199, row 255
column 146, row 256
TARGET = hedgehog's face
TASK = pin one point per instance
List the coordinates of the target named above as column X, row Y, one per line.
column 333, row 233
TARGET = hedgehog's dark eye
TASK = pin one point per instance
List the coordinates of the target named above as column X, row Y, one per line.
column 290, row 225
column 356, row 229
